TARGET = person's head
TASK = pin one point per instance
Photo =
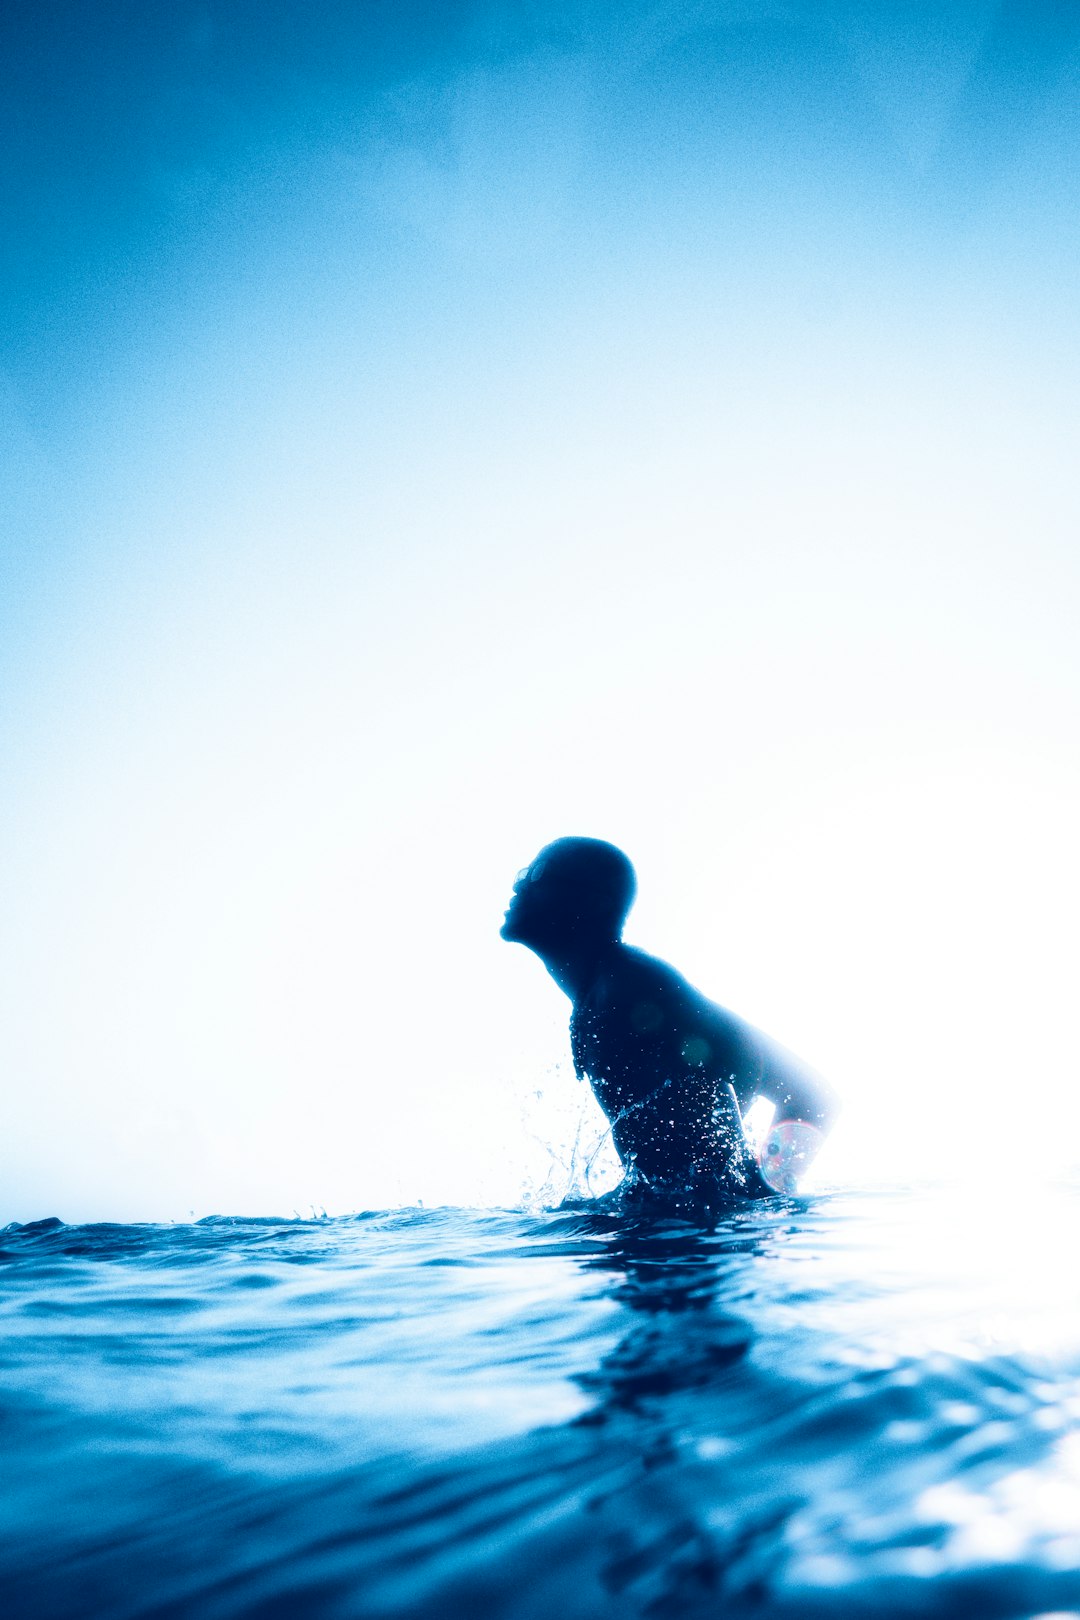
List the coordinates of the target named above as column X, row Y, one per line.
column 576, row 891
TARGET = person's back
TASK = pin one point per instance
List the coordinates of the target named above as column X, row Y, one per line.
column 660, row 1059
column 669, row 1067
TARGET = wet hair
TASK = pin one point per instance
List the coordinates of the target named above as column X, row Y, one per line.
column 593, row 880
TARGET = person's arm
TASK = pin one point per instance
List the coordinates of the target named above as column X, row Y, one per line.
column 798, row 1091
column 806, row 1107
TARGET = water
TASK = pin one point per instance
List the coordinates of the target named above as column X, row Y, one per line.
column 864, row 1404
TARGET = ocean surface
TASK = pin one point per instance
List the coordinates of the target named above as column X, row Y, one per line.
column 862, row 1404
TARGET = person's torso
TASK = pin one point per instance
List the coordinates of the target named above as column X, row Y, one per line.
column 660, row 1058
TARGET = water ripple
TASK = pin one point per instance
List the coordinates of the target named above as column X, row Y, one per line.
column 867, row 1404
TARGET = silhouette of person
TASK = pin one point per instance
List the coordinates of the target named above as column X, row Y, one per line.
column 671, row 1069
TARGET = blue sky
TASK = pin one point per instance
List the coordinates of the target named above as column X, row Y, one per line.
column 431, row 430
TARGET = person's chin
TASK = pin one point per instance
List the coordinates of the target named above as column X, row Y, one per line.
column 515, row 928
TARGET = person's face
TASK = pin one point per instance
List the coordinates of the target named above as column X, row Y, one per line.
column 529, row 901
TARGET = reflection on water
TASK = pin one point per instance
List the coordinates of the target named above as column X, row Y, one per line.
column 674, row 1276
column 868, row 1405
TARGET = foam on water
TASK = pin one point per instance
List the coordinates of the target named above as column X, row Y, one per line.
column 868, row 1404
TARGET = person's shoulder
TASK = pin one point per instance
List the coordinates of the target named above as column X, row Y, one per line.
column 648, row 974
column 629, row 975
column 638, row 967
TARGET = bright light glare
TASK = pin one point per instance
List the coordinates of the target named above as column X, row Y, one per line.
column 530, row 439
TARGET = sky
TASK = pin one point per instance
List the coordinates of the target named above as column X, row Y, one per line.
column 431, row 430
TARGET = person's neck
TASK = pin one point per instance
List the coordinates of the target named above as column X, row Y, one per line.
column 574, row 966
